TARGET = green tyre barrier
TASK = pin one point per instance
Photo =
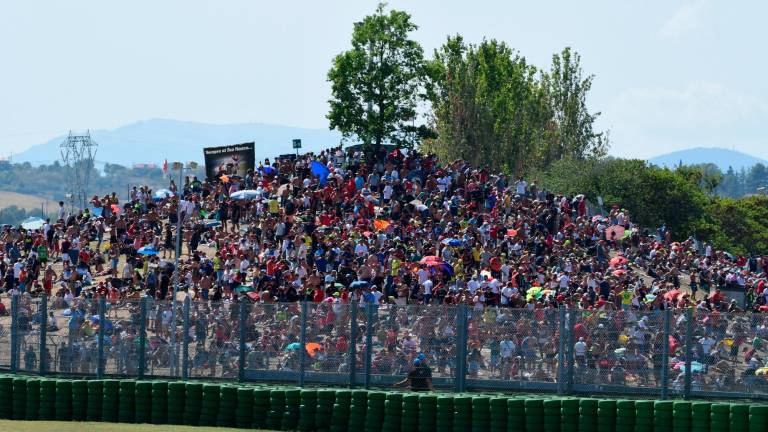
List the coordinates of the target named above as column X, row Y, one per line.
column 19, row 399
column 79, row 400
column 127, row 397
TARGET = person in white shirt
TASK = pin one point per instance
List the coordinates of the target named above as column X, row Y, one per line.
column 506, row 294
column 473, row 285
column 506, row 349
column 428, row 284
column 423, row 275
column 388, row 191
column 62, row 215
column 580, row 352
column 521, row 187
column 377, row 295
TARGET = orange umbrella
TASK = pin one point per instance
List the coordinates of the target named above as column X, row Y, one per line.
column 381, row 225
column 312, row 348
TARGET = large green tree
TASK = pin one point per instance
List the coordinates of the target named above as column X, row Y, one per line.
column 492, row 107
column 573, row 132
column 488, row 107
column 376, row 85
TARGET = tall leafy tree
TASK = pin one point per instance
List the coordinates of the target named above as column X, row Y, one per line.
column 492, row 107
column 567, row 88
column 487, row 104
column 376, row 85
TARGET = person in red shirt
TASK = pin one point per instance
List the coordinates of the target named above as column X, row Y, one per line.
column 318, row 295
column 84, row 257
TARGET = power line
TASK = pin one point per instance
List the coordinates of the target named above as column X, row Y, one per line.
column 77, row 154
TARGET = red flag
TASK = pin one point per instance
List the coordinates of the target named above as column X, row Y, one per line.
column 165, row 167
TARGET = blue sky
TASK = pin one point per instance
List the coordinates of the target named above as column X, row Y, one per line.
column 669, row 74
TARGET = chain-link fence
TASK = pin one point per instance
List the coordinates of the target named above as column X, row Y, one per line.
column 695, row 352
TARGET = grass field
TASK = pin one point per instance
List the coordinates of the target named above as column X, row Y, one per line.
column 27, row 202
column 48, row 426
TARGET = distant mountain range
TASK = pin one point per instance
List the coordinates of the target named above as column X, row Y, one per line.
column 152, row 141
column 721, row 157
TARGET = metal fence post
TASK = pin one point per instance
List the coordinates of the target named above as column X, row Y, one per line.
column 142, row 336
column 461, row 348
column 242, row 327
column 100, row 340
column 15, row 333
column 368, row 343
column 43, row 313
column 561, row 353
column 185, row 340
column 570, row 346
column 303, row 343
column 688, row 351
column 352, row 360
column 665, row 356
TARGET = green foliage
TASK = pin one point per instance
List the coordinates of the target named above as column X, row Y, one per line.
column 50, row 181
column 679, row 198
column 13, row 215
column 492, row 108
column 376, row 84
column 737, row 184
column 740, row 225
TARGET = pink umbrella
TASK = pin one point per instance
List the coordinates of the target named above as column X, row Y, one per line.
column 614, row 233
column 618, row 261
column 430, row 259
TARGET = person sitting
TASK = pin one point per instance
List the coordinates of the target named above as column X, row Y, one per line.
column 419, row 378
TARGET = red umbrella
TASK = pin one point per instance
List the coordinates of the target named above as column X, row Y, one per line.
column 618, row 261
column 614, row 233
column 511, row 232
column 672, row 295
column 619, row 273
column 673, row 345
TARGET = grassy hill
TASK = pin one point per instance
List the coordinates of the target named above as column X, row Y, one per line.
column 30, row 203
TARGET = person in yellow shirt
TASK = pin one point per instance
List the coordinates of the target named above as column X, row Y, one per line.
column 626, row 299
column 274, row 206
column 476, row 256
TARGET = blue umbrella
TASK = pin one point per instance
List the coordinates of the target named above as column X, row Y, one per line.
column 161, row 194
column 210, row 223
column 268, row 170
column 293, row 346
column 321, row 171
column 359, row 284
column 451, row 242
column 147, row 250
column 245, row 194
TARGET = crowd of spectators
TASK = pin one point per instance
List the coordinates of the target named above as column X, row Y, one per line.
column 415, row 238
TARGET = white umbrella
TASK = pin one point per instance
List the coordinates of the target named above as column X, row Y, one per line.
column 245, row 194
column 32, row 223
